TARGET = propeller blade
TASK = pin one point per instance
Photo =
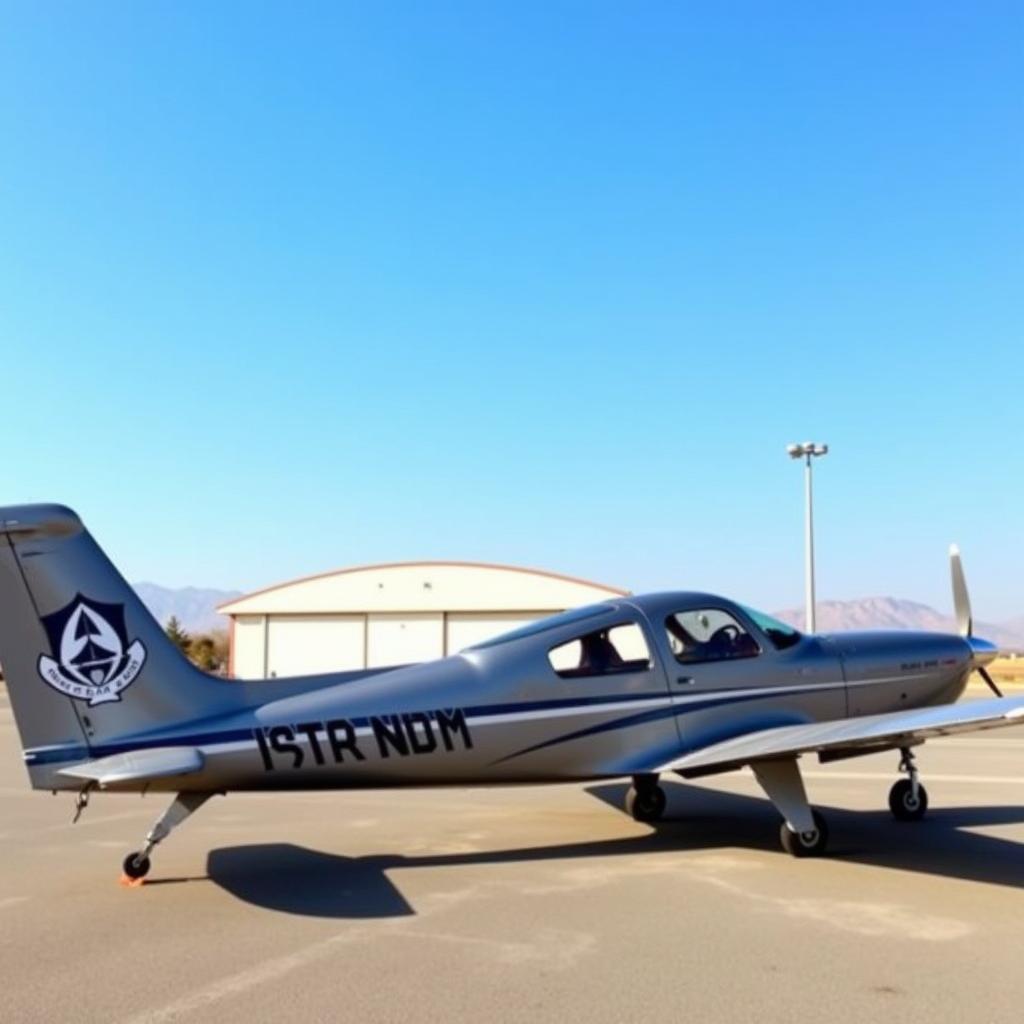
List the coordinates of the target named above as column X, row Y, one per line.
column 983, row 672
column 961, row 600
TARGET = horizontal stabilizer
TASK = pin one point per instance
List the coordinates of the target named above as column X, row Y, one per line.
column 138, row 766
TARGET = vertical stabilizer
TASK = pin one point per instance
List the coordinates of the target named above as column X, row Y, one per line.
column 85, row 662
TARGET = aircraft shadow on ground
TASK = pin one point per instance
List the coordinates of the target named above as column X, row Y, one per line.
column 282, row 876
column 297, row 880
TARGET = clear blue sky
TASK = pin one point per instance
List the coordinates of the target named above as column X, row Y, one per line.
column 285, row 287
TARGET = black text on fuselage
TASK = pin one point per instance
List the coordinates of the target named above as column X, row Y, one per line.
column 338, row 740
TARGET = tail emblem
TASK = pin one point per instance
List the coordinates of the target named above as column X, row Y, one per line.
column 95, row 661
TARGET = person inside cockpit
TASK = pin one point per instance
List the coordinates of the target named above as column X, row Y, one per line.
column 598, row 654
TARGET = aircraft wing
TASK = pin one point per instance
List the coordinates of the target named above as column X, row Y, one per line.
column 855, row 735
column 138, row 766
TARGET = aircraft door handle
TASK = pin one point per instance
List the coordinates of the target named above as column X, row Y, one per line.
column 684, row 680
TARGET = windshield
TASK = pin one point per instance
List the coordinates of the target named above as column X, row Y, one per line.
column 780, row 634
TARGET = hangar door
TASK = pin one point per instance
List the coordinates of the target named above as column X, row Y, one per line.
column 401, row 638
column 248, row 647
column 468, row 628
column 304, row 645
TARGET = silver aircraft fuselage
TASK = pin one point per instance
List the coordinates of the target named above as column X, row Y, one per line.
column 499, row 713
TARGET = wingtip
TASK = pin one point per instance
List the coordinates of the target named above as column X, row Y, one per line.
column 954, row 550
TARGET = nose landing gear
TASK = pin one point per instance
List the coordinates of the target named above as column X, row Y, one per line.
column 908, row 799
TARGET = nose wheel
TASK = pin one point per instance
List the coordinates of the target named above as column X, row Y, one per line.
column 905, row 804
column 908, row 799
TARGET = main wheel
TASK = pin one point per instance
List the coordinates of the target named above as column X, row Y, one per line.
column 904, row 805
column 646, row 804
column 135, row 866
column 805, row 844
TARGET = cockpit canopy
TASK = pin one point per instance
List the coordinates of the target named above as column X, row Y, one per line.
column 697, row 628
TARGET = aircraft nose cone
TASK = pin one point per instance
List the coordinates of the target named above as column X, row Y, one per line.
column 982, row 651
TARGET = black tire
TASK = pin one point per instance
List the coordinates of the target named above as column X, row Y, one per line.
column 135, row 866
column 805, row 844
column 902, row 803
column 646, row 804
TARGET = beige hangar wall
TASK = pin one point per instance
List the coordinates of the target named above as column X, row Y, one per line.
column 390, row 615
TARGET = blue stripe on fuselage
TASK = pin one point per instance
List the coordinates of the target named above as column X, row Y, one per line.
column 148, row 741
column 658, row 713
column 71, row 754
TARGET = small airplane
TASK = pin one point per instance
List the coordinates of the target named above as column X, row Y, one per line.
column 685, row 683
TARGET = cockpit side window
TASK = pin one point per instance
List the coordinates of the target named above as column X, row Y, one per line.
column 603, row 652
column 708, row 634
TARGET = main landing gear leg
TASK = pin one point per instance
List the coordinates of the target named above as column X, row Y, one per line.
column 908, row 799
column 803, row 833
column 136, row 865
column 645, row 800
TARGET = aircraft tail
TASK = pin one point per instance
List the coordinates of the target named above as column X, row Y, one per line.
column 85, row 662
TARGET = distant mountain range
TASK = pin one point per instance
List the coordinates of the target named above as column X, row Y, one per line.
column 893, row 613
column 194, row 607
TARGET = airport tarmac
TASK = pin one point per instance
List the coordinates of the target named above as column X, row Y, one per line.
column 526, row 904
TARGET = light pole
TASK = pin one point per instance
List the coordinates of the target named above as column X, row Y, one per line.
column 807, row 451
